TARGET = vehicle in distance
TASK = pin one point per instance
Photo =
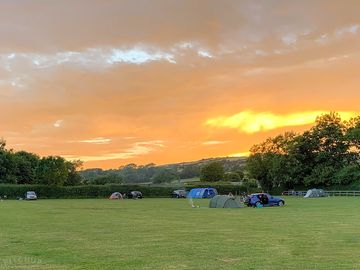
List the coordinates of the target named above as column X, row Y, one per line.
column 179, row 193
column 263, row 199
column 30, row 195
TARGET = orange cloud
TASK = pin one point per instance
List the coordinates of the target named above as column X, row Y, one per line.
column 252, row 122
column 137, row 149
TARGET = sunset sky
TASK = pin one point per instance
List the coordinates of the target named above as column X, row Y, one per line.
column 163, row 81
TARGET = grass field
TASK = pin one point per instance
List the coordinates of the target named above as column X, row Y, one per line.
column 169, row 234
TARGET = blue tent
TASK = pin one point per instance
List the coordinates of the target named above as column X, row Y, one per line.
column 202, row 193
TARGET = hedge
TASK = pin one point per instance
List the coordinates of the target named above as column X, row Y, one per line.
column 88, row 191
column 104, row 191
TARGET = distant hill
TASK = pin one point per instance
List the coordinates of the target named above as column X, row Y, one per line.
column 135, row 174
column 228, row 162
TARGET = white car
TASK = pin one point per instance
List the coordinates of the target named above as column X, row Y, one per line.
column 30, row 195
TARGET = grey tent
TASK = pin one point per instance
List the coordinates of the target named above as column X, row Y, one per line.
column 224, row 201
column 315, row 193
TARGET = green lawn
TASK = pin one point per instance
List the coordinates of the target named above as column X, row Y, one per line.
column 169, row 234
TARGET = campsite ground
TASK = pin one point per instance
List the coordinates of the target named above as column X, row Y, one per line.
column 169, row 234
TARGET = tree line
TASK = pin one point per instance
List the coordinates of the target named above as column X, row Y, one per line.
column 28, row 168
column 325, row 155
column 209, row 170
column 22, row 167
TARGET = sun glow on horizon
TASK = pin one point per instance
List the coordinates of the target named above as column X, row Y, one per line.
column 252, row 122
column 241, row 154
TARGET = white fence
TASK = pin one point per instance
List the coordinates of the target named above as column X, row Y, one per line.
column 343, row 192
column 329, row 192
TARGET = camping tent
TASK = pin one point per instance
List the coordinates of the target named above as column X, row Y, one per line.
column 202, row 193
column 115, row 196
column 315, row 193
column 225, row 201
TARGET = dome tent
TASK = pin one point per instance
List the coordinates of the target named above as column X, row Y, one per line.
column 116, row 196
column 202, row 193
column 225, row 201
column 315, row 193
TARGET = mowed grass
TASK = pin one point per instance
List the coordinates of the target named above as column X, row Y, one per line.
column 169, row 234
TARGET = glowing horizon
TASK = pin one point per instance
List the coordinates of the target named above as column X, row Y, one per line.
column 252, row 122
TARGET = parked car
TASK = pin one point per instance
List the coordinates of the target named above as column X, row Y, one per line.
column 30, row 195
column 134, row 195
column 180, row 193
column 263, row 199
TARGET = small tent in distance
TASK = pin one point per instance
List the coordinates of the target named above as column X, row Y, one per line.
column 225, row 201
column 116, row 196
column 315, row 193
column 202, row 193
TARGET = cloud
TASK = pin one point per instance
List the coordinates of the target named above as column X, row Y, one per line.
column 91, row 58
column 351, row 29
column 323, row 39
column 337, row 34
column 335, row 58
column 214, row 142
column 205, row 54
column 289, row 39
column 137, row 69
column 99, row 140
column 260, row 52
column 253, row 122
column 137, row 149
column 58, row 123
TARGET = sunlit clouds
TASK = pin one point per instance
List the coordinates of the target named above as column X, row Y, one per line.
column 99, row 140
column 137, row 149
column 58, row 123
column 214, row 142
column 243, row 154
column 171, row 81
column 252, row 122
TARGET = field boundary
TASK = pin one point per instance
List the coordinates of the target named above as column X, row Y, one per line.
column 329, row 192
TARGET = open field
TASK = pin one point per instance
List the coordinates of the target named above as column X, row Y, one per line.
column 169, row 234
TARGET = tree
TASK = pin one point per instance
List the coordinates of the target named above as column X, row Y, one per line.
column 109, row 178
column 130, row 173
column 258, row 167
column 329, row 134
column 2, row 144
column 353, row 136
column 348, row 175
column 189, row 171
column 52, row 170
column 212, row 172
column 232, row 177
column 164, row 175
column 8, row 168
column 314, row 158
column 73, row 178
column 26, row 164
column 249, row 184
